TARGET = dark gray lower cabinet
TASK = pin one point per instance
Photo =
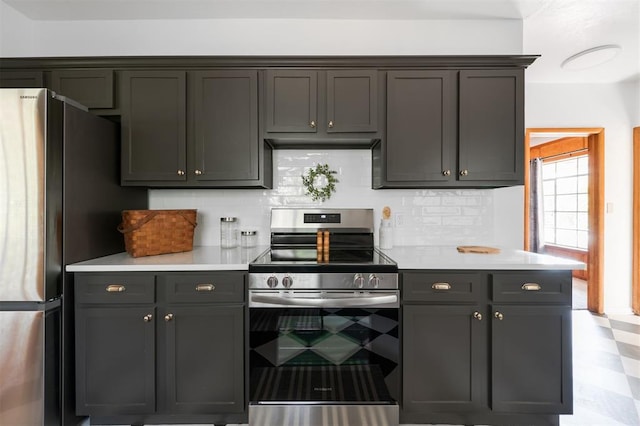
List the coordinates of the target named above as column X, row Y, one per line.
column 115, row 360
column 161, row 348
column 204, row 367
column 486, row 347
column 531, row 359
column 444, row 359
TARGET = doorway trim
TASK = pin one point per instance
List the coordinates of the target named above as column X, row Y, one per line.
column 595, row 262
column 635, row 284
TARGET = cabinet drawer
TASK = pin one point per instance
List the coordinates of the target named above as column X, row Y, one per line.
column 207, row 287
column 441, row 286
column 114, row 288
column 531, row 286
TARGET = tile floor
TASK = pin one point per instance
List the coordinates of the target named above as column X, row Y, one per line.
column 606, row 370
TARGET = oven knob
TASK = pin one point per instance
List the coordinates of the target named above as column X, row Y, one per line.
column 287, row 281
column 374, row 281
column 358, row 281
column 272, row 281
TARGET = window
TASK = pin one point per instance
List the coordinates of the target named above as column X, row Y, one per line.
column 565, row 189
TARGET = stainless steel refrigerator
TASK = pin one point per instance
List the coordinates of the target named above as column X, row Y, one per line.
column 60, row 203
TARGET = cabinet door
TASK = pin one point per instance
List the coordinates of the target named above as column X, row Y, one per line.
column 352, row 101
column 115, row 360
column 291, row 101
column 444, row 358
column 153, row 126
column 491, row 124
column 420, row 128
column 204, row 364
column 225, row 125
column 21, row 79
column 531, row 359
column 92, row 88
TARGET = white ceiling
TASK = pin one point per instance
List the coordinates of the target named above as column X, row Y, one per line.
column 556, row 29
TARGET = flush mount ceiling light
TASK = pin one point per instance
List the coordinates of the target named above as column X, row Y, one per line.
column 591, row 57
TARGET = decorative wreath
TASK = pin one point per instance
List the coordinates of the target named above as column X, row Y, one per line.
column 320, row 182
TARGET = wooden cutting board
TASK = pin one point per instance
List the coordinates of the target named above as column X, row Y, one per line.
column 478, row 249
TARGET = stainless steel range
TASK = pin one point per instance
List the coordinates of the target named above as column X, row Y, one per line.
column 323, row 305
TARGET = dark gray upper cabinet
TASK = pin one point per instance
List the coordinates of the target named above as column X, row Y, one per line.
column 352, row 101
column 418, row 149
column 92, row 88
column 491, row 120
column 19, row 79
column 224, row 123
column 291, row 101
column 153, row 120
column 452, row 129
column 329, row 108
column 213, row 143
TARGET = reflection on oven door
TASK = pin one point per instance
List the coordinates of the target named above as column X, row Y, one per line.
column 324, row 366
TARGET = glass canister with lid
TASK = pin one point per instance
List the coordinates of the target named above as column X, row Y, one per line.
column 248, row 239
column 228, row 232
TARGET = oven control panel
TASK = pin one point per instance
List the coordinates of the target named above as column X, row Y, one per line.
column 326, row 281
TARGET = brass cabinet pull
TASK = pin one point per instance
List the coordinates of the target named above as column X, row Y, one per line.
column 499, row 316
column 116, row 288
column 331, row 124
column 205, row 287
column 441, row 286
column 464, row 172
column 312, row 124
column 198, row 172
column 531, row 287
column 168, row 317
column 180, row 172
column 446, row 172
column 147, row 318
column 477, row 315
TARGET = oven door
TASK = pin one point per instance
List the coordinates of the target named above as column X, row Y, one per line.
column 324, row 357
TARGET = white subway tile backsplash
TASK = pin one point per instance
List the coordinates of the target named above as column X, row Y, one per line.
column 422, row 217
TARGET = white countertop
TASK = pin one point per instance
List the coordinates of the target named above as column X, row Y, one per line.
column 447, row 257
column 203, row 258
column 213, row 258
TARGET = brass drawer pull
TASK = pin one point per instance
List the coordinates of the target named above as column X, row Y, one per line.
column 531, row 287
column 115, row 288
column 441, row 286
column 205, row 287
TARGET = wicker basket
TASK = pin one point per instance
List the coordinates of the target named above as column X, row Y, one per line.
column 151, row 232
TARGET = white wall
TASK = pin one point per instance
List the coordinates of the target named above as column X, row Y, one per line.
column 615, row 108
column 17, row 33
column 265, row 37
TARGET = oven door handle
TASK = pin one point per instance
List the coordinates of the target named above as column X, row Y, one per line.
column 262, row 300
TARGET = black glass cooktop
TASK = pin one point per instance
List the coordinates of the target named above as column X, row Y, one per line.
column 312, row 260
